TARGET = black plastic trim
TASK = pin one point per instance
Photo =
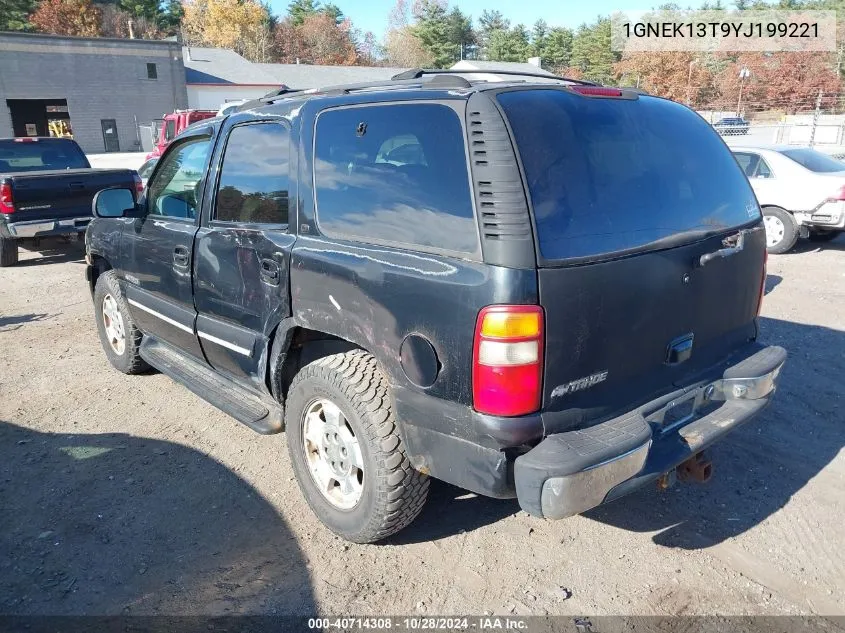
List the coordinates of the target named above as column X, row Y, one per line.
column 501, row 202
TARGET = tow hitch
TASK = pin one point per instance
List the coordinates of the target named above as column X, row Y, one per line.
column 697, row 468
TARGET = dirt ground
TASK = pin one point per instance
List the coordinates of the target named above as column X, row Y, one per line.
column 129, row 495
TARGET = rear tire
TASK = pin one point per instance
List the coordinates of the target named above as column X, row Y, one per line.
column 120, row 337
column 8, row 251
column 345, row 400
column 823, row 236
column 781, row 230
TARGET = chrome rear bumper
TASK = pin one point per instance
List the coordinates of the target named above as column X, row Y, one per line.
column 43, row 228
column 569, row 473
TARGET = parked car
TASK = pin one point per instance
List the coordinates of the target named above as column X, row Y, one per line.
column 554, row 297
column 731, row 125
column 46, row 188
column 171, row 125
column 145, row 170
column 801, row 192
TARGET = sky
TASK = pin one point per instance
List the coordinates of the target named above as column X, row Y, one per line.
column 371, row 15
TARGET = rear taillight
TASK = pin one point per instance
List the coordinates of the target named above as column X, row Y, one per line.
column 7, row 203
column 507, row 368
column 139, row 185
column 839, row 194
column 597, row 91
column 763, row 282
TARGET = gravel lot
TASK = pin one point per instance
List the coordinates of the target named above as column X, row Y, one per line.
column 129, row 495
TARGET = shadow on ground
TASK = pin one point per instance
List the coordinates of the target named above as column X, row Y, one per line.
column 760, row 466
column 114, row 524
column 451, row 510
column 809, row 246
column 13, row 322
column 51, row 251
column 772, row 282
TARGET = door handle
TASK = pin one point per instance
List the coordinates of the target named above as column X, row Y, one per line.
column 181, row 256
column 732, row 245
column 270, row 271
column 77, row 185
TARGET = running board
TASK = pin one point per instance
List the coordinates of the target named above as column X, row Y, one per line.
column 262, row 415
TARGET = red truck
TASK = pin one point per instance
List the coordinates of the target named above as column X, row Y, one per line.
column 172, row 124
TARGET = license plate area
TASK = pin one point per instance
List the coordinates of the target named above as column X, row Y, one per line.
column 680, row 411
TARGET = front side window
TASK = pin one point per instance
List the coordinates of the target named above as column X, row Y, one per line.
column 395, row 174
column 169, row 130
column 173, row 190
column 152, row 71
column 254, row 177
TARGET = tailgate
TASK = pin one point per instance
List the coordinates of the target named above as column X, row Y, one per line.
column 617, row 332
column 628, row 192
column 48, row 195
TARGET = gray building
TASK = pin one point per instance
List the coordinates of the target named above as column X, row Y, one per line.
column 96, row 89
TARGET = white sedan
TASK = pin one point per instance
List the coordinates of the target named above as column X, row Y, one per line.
column 801, row 192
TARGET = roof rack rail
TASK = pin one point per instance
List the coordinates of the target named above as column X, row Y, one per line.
column 417, row 73
column 434, row 82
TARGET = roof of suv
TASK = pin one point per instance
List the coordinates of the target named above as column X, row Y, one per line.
column 434, row 83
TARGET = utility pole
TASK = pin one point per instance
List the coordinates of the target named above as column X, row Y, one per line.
column 689, row 81
column 816, row 118
column 743, row 74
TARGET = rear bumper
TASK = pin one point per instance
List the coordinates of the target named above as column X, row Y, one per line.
column 43, row 228
column 569, row 473
column 828, row 215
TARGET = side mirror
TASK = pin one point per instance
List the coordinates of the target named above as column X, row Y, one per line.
column 113, row 203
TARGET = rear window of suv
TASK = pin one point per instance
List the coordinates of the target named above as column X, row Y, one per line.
column 610, row 176
column 40, row 155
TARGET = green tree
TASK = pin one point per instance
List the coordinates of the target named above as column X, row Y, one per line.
column 557, row 53
column 333, row 11
column 432, row 30
column 14, row 16
column 459, row 32
column 298, row 10
column 539, row 37
column 509, row 46
column 591, row 54
column 148, row 9
column 171, row 17
column 489, row 23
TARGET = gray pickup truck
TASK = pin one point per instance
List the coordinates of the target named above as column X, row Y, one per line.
column 46, row 188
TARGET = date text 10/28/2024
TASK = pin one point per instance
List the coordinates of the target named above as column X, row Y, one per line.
column 421, row 623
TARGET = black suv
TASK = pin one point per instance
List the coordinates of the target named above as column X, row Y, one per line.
column 545, row 291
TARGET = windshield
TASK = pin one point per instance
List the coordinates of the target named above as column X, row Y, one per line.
column 40, row 155
column 615, row 175
column 813, row 160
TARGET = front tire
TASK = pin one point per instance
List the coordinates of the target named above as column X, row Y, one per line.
column 8, row 251
column 120, row 337
column 781, row 230
column 346, row 452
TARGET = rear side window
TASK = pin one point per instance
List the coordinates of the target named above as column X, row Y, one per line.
column 254, row 176
column 40, row 155
column 395, row 174
column 753, row 165
column 813, row 160
column 615, row 175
